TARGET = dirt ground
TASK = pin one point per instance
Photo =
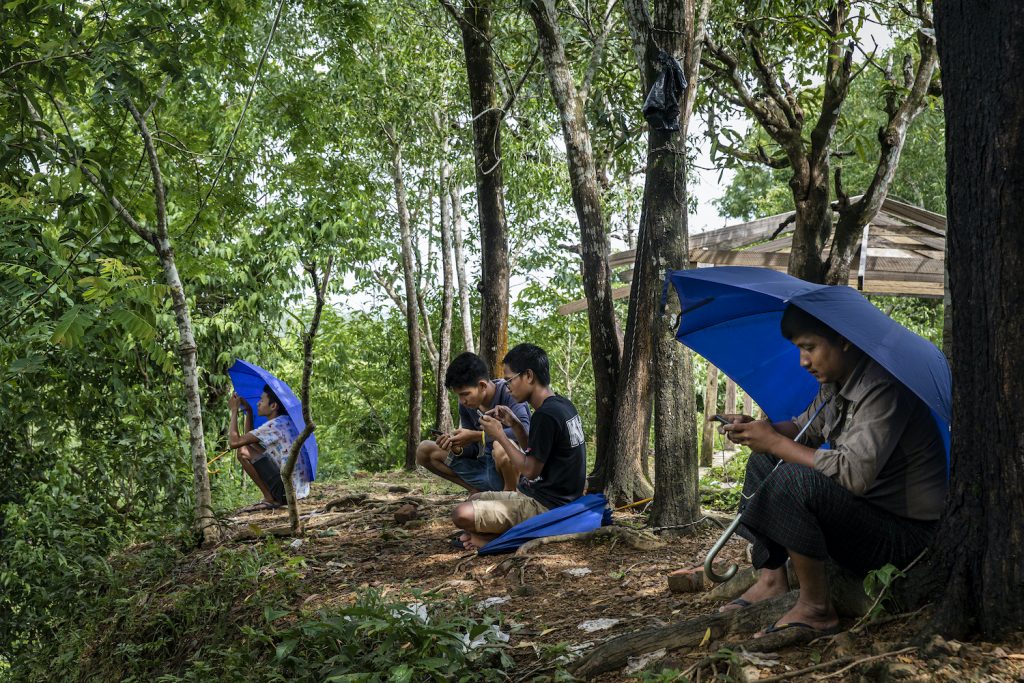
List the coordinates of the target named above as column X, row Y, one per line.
column 546, row 598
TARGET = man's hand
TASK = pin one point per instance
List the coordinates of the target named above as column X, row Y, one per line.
column 735, row 418
column 504, row 415
column 492, row 425
column 462, row 437
column 758, row 435
column 234, row 400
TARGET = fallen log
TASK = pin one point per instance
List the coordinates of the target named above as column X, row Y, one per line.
column 613, row 654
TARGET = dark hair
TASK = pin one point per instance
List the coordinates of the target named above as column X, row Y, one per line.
column 466, row 370
column 272, row 398
column 529, row 357
column 796, row 321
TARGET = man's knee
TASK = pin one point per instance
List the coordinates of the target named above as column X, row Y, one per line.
column 463, row 516
column 794, row 480
column 245, row 454
column 501, row 458
column 424, row 452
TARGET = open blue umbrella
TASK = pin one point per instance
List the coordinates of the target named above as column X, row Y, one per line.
column 583, row 514
column 731, row 316
column 249, row 380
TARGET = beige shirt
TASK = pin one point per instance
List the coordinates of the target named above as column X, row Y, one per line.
column 879, row 441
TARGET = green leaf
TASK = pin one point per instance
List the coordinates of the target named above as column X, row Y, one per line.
column 70, row 328
column 133, row 324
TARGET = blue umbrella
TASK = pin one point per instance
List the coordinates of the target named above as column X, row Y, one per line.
column 731, row 316
column 249, row 380
column 583, row 514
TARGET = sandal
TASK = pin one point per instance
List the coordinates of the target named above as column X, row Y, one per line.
column 260, row 506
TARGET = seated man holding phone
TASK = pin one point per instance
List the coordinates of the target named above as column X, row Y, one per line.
column 467, row 456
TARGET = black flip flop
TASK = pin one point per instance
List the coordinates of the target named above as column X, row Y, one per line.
column 818, row 632
column 456, row 541
column 260, row 506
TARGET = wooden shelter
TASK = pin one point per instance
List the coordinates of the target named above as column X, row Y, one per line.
column 901, row 252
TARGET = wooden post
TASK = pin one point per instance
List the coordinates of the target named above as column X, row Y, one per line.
column 748, row 404
column 710, row 408
column 730, row 407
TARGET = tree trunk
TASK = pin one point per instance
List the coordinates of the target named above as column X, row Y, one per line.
column 308, row 337
column 707, row 448
column 411, row 316
column 813, row 223
column 477, row 37
column 466, row 313
column 853, row 216
column 442, row 411
column 730, row 407
column 187, row 351
column 981, row 536
column 605, row 350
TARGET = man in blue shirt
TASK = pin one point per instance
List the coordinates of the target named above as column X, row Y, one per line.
column 467, row 456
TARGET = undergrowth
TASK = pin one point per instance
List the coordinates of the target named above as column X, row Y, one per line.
column 233, row 616
column 720, row 488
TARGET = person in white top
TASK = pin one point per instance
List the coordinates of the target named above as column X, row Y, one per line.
column 263, row 451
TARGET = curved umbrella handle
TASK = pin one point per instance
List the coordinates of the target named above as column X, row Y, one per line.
column 709, row 568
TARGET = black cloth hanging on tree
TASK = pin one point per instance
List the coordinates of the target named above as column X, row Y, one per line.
column 661, row 108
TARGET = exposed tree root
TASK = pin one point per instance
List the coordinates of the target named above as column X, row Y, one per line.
column 638, row 540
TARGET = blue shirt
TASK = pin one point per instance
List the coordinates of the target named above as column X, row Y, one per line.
column 469, row 419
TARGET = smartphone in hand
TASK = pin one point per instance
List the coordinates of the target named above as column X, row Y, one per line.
column 722, row 418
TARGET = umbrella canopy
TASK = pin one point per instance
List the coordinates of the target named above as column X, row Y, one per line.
column 248, row 380
column 731, row 316
column 583, row 514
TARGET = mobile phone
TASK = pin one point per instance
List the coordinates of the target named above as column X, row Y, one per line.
column 722, row 418
column 436, row 432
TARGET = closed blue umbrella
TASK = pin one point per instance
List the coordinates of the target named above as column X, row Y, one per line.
column 583, row 514
column 731, row 316
column 249, row 380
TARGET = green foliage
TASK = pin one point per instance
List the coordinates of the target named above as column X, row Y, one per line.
column 155, row 615
column 878, row 584
column 720, row 488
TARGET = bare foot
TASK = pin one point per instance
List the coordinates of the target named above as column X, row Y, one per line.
column 473, row 541
column 770, row 583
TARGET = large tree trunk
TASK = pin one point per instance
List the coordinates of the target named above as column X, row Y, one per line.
column 442, row 411
column 465, row 312
column 411, row 317
column 605, row 350
column 982, row 49
column 477, row 37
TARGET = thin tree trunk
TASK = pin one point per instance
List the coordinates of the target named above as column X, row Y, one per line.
column 466, row 313
column 442, row 411
column 730, row 407
column 411, row 316
column 853, row 216
column 309, row 335
column 187, row 350
column 605, row 350
column 707, row 448
column 983, row 528
column 477, row 38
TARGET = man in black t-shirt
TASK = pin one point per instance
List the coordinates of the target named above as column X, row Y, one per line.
column 551, row 458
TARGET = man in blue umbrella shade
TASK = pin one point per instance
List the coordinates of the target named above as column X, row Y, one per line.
column 263, row 451
column 551, row 459
column 863, row 484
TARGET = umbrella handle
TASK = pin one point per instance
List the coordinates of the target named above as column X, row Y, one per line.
column 709, row 569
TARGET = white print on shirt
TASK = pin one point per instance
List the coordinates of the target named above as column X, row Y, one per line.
column 575, row 427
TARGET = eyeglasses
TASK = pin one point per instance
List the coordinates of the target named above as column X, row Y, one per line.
column 508, row 380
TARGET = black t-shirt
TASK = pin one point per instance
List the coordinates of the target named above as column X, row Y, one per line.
column 556, row 439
